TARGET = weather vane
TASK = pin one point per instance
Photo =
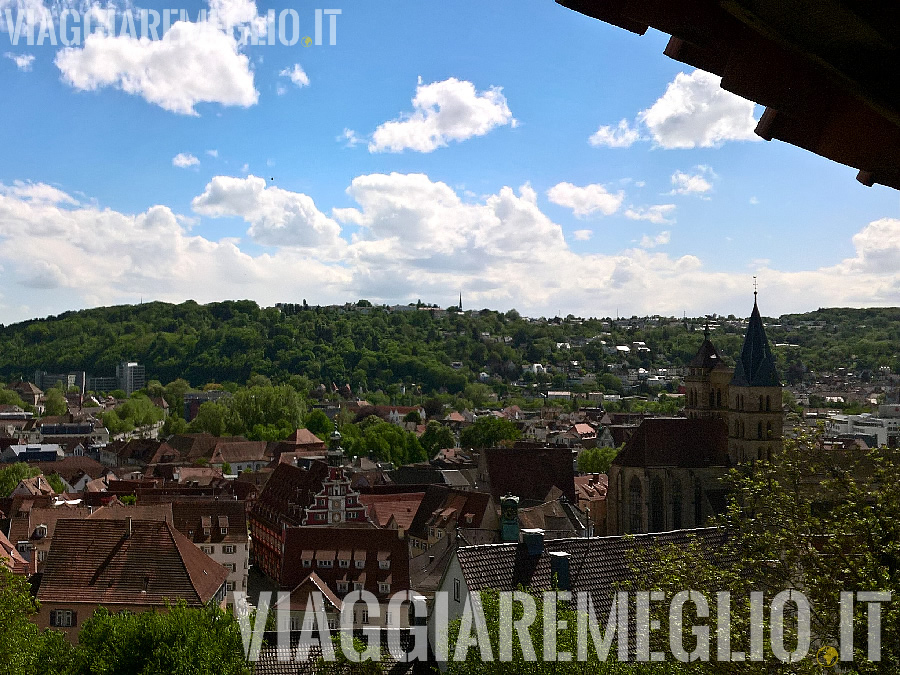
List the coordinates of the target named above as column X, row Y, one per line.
column 754, row 287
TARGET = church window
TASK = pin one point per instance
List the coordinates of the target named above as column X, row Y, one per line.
column 759, row 430
column 698, row 504
column 635, row 503
column 768, row 403
column 676, row 505
column 657, row 508
column 760, row 402
column 718, row 398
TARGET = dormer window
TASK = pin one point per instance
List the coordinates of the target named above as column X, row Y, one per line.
column 40, row 531
column 384, row 564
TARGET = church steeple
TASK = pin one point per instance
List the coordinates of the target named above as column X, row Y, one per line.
column 755, row 419
column 756, row 365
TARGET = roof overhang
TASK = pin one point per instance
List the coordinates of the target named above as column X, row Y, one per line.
column 823, row 69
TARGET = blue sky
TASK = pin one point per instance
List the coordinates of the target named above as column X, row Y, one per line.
column 144, row 170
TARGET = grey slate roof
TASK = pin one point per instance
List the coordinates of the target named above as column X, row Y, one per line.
column 596, row 564
column 756, row 365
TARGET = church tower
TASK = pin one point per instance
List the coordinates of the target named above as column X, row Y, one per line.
column 706, row 385
column 755, row 416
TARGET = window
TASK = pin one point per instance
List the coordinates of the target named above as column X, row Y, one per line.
column 676, row 505
column 364, row 616
column 325, row 563
column 636, row 506
column 42, row 556
column 63, row 618
column 657, row 509
column 230, row 567
column 206, row 531
column 228, row 549
column 296, row 623
column 456, row 590
column 229, row 586
column 384, row 588
column 307, row 562
column 357, row 586
column 384, row 564
column 344, row 563
column 223, row 530
column 342, row 586
column 208, row 550
column 332, row 624
column 360, row 564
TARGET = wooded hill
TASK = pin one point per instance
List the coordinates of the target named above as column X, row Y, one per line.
column 375, row 348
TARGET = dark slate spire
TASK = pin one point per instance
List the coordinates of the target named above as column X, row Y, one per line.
column 707, row 357
column 756, row 365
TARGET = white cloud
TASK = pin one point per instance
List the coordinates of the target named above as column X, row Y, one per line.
column 587, row 200
column 349, row 138
column 37, row 193
column 192, row 63
column 698, row 183
column 754, row 201
column 583, row 235
column 451, row 110
column 621, row 136
column 277, row 217
column 878, row 246
column 695, row 111
column 213, row 153
column 23, row 61
column 183, row 160
column 658, row 214
column 231, row 13
column 417, row 237
column 296, row 74
column 659, row 240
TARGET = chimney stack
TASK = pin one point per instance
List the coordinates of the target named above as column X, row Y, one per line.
column 534, row 541
column 559, row 569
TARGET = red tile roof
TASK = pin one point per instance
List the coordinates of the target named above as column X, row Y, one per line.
column 97, row 562
column 367, row 544
column 402, row 507
column 10, row 557
column 189, row 516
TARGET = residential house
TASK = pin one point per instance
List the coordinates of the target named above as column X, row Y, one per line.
column 132, row 565
column 11, row 559
column 240, row 456
column 591, row 491
column 28, row 392
column 586, row 565
column 444, row 509
column 219, row 528
column 35, row 486
column 32, row 453
column 392, row 511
